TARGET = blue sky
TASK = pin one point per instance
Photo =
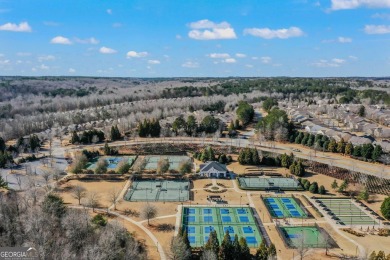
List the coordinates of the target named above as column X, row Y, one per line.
column 169, row 38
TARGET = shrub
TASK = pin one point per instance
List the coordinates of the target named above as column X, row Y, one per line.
column 322, row 190
column 307, row 185
column 313, row 187
column 99, row 220
column 385, row 208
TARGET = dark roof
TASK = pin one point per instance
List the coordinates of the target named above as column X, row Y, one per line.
column 212, row 164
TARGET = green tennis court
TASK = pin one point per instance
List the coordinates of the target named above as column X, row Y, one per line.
column 286, row 207
column 269, row 183
column 174, row 161
column 158, row 190
column 345, row 212
column 311, row 237
column 200, row 221
column 111, row 161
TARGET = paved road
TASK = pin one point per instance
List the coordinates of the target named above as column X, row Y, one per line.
column 36, row 167
column 279, row 148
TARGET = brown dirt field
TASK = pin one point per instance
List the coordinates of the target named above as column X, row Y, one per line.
column 163, row 208
column 237, row 168
column 164, row 236
column 102, row 188
column 231, row 196
column 372, row 242
column 199, row 184
column 140, row 235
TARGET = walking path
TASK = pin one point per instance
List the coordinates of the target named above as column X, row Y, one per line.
column 138, row 224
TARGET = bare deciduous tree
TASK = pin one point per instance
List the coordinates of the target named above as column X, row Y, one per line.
column 79, row 192
column 93, row 200
column 113, row 196
column 302, row 247
column 208, row 255
column 162, row 165
column 46, row 174
column 149, row 211
column 19, row 181
column 179, row 250
column 140, row 165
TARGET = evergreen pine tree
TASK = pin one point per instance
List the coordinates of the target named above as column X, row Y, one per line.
column 75, row 138
column 213, row 243
column 272, row 251
column 334, row 185
column 377, row 152
column 255, row 157
column 226, row 249
column 262, row 252
column 348, row 149
column 236, row 248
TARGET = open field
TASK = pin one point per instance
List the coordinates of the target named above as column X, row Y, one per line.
column 101, row 188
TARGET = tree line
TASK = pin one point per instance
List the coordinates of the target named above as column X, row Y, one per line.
column 57, row 232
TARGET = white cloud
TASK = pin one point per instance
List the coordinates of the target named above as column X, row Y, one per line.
column 338, row 61
column 106, row 50
column 353, row 4
column 178, row 36
column 23, row 54
column 46, row 58
column 71, row 70
column 249, row 65
column 229, row 60
column 240, row 55
column 255, row 58
column 266, row 59
column 91, row 40
column 60, row 40
column 377, row 29
column 134, row 54
column 334, row 63
column 344, row 39
column 154, row 62
column 117, row 25
column 353, row 57
column 209, row 30
column 218, row 55
column 267, row 33
column 50, row 23
column 190, row 64
column 381, row 16
column 3, row 62
column 109, row 11
column 13, row 27
column 44, row 67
